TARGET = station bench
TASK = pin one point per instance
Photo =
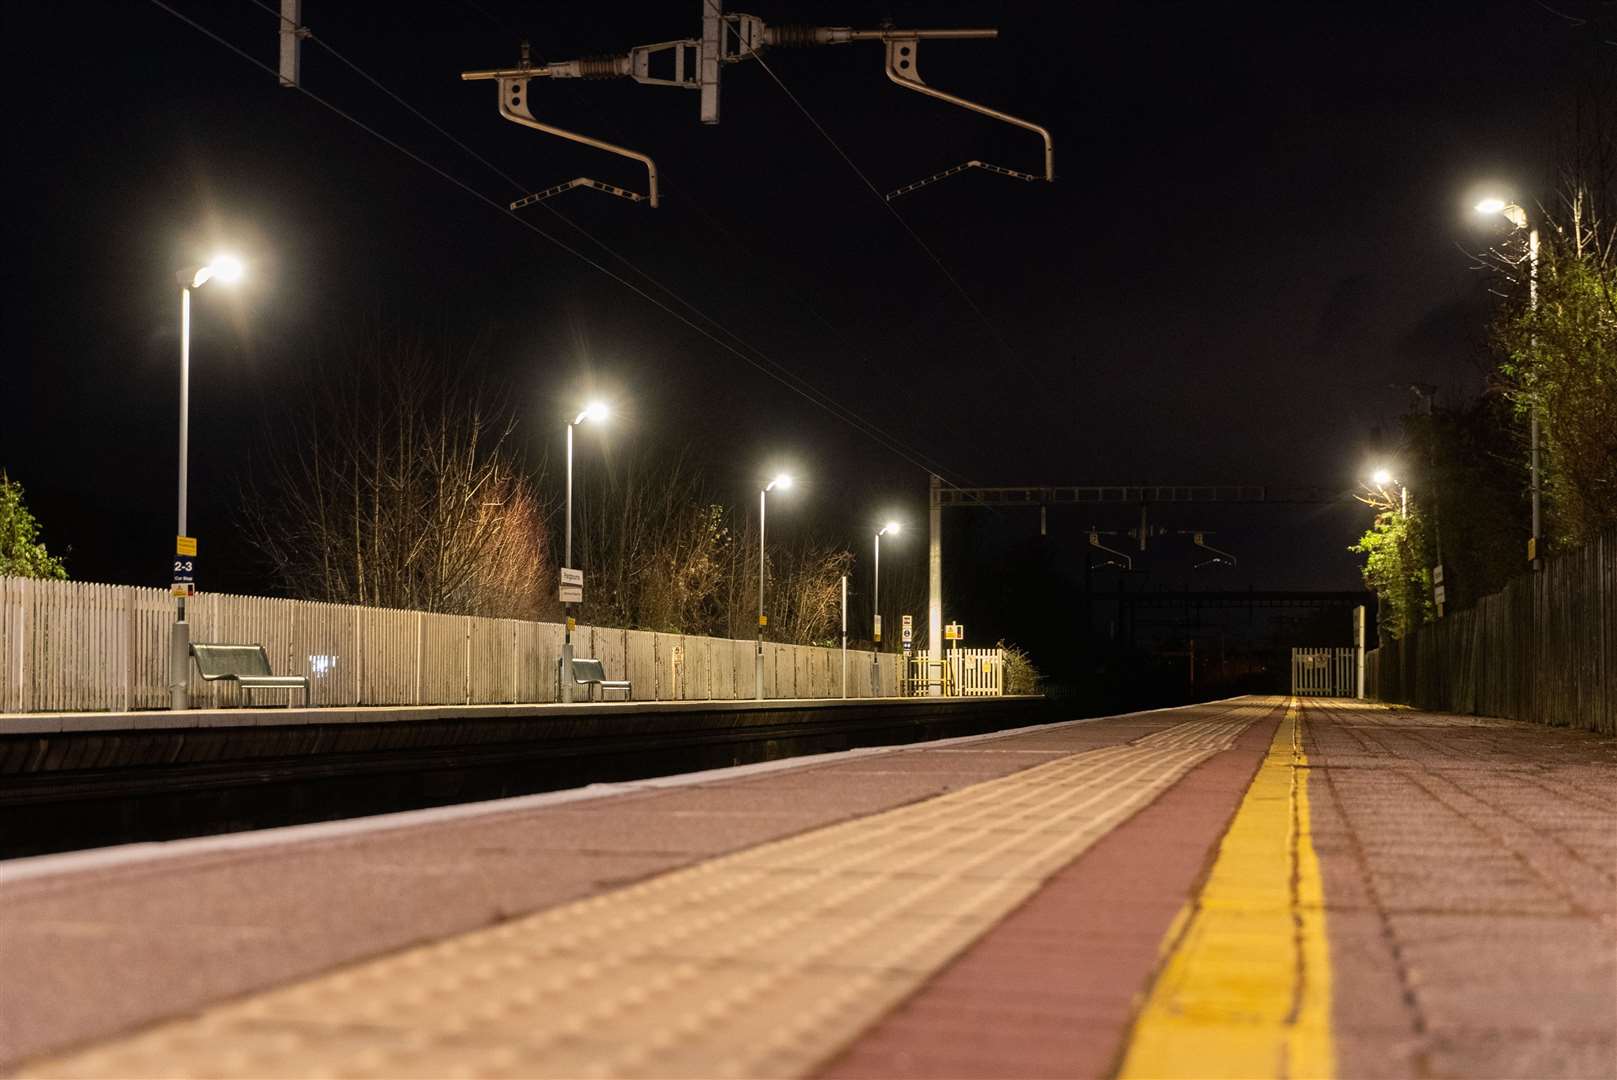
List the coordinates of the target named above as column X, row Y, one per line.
column 248, row 667
column 592, row 673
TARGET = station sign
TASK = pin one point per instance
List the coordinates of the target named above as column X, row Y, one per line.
column 878, row 628
column 571, row 590
column 185, row 566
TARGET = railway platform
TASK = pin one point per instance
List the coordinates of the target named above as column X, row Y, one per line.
column 1253, row 887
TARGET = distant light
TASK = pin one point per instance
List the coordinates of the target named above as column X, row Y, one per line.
column 1382, row 477
column 892, row 527
column 781, row 481
column 596, row 410
column 1491, row 206
column 227, row 268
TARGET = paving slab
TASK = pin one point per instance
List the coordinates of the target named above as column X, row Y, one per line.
column 298, row 901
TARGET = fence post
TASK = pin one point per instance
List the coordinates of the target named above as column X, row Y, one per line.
column 418, row 632
column 129, row 648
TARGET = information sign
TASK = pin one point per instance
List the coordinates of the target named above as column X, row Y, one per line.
column 185, row 566
column 571, row 590
column 878, row 628
column 954, row 632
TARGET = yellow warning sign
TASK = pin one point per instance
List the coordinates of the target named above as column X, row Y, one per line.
column 185, row 545
column 763, row 620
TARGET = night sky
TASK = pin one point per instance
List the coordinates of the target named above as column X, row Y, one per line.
column 1259, row 223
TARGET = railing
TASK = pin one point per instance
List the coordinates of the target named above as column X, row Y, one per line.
column 1542, row 649
column 75, row 646
column 961, row 673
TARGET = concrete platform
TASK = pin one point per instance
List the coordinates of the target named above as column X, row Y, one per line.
column 1314, row 888
column 96, row 781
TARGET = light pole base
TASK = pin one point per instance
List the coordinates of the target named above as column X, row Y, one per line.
column 179, row 665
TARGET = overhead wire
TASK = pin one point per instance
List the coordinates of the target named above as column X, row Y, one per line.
column 869, row 428
column 937, row 260
column 762, row 362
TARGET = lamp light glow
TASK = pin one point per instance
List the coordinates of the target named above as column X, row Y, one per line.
column 1382, row 477
column 781, row 481
column 596, row 410
column 227, row 268
column 891, row 527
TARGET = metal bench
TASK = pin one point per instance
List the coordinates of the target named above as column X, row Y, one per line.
column 248, row 667
column 592, row 673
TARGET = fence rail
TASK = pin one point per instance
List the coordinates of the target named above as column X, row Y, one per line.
column 67, row 645
column 1543, row 649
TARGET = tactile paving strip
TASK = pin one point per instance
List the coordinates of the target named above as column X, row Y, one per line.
column 1246, row 989
column 761, row 963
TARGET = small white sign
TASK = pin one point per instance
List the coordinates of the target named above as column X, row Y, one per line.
column 1440, row 595
column 1437, row 574
column 571, row 594
column 878, row 627
column 909, row 634
column 569, row 576
column 909, row 621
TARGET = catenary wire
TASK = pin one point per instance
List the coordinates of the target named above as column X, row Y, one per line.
column 888, row 206
column 762, row 363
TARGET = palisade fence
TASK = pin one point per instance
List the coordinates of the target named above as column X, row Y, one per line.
column 1542, row 649
column 67, row 645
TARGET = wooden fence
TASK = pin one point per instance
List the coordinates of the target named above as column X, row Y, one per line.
column 67, row 645
column 1542, row 649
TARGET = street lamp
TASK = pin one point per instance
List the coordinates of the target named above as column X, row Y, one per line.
column 1518, row 218
column 1382, row 478
column 875, row 601
column 596, row 411
column 227, row 269
column 782, row 481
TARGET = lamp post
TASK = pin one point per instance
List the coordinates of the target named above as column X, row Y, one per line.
column 1518, row 218
column 227, row 269
column 596, row 411
column 875, row 606
column 783, row 482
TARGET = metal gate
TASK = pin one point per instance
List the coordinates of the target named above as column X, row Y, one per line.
column 1324, row 672
column 961, row 673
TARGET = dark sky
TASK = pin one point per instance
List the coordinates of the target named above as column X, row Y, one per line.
column 1256, row 227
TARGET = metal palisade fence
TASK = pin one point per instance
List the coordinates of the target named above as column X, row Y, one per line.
column 76, row 646
column 1543, row 649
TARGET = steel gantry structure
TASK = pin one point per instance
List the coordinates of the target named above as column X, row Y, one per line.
column 1043, row 496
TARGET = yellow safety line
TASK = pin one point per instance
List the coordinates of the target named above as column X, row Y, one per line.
column 761, row 963
column 1246, row 989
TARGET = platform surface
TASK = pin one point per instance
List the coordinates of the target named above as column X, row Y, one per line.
column 1255, row 887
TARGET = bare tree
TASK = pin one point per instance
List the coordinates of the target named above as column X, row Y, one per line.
column 399, row 486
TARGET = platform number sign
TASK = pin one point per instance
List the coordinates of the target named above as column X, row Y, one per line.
column 185, row 566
